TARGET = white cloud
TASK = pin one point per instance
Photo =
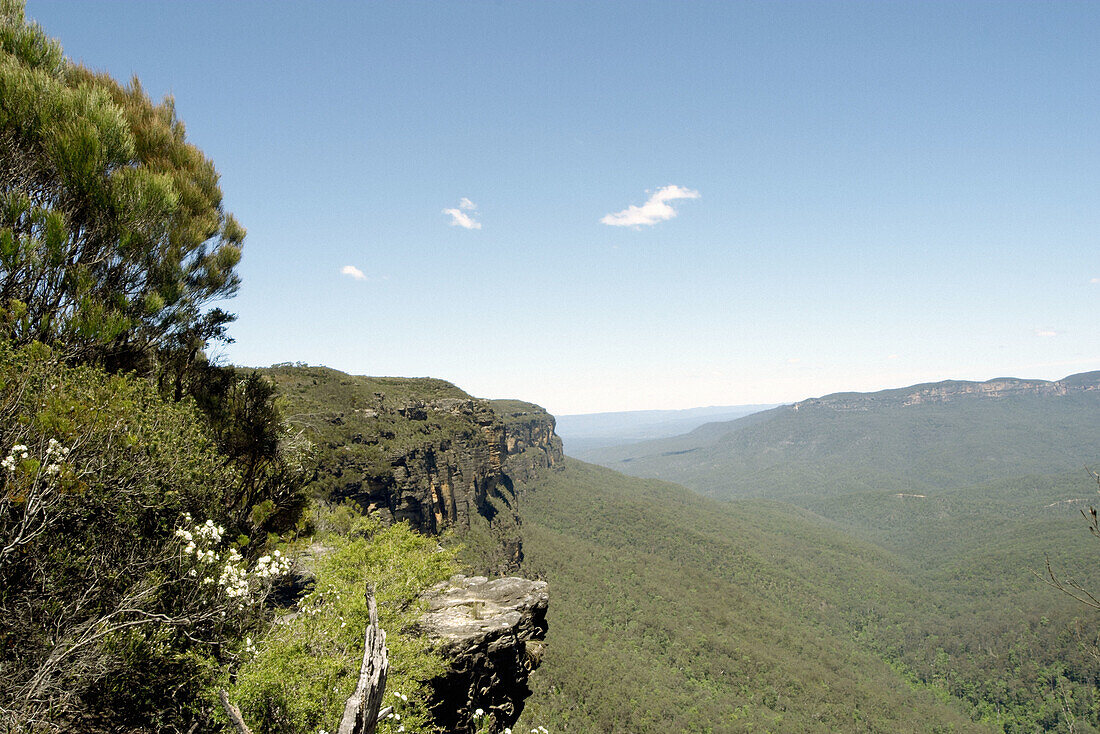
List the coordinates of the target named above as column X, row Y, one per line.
column 459, row 217
column 352, row 271
column 1046, row 332
column 1094, row 281
column 656, row 209
column 891, row 356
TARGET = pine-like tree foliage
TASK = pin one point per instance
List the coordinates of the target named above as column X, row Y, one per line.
column 113, row 237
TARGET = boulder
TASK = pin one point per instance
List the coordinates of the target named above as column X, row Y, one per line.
column 492, row 633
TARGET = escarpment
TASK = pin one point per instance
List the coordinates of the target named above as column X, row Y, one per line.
column 950, row 391
column 421, row 450
column 425, row 452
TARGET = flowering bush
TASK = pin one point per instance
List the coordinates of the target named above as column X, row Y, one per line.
column 226, row 569
column 104, row 619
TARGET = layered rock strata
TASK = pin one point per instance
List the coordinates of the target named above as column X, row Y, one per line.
column 421, row 450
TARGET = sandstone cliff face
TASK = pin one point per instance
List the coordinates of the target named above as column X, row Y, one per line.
column 444, row 480
column 421, row 450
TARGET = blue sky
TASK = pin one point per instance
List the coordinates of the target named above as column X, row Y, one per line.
column 887, row 193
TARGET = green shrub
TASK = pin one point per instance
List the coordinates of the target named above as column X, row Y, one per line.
column 308, row 665
column 103, row 627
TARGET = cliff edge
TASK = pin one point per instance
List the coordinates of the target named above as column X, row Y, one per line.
column 423, row 451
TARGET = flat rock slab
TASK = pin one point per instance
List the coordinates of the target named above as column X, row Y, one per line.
column 469, row 610
column 491, row 633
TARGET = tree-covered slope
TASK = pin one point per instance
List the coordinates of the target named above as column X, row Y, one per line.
column 970, row 487
column 672, row 612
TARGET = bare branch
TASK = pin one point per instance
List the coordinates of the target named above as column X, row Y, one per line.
column 361, row 710
column 233, row 713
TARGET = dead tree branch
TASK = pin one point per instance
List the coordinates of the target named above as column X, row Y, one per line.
column 233, row 713
column 361, row 712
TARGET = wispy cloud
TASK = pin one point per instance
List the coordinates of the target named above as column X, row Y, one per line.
column 459, row 217
column 656, row 209
column 353, row 272
column 1046, row 332
column 1094, row 281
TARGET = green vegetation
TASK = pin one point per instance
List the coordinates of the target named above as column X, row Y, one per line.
column 308, row 666
column 98, row 610
column 147, row 497
column 876, row 443
column 358, row 424
column 149, row 501
column 672, row 612
column 112, row 234
column 970, row 497
column 669, row 607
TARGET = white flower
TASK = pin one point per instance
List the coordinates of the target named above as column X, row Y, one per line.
column 479, row 712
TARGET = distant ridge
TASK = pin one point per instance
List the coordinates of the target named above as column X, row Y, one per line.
column 587, row 431
column 949, row 390
column 914, row 439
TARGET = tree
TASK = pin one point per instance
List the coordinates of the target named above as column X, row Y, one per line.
column 113, row 237
column 113, row 246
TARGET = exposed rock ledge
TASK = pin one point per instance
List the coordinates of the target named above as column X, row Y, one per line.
column 492, row 633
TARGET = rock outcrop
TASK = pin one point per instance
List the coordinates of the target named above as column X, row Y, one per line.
column 421, row 450
column 492, row 633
